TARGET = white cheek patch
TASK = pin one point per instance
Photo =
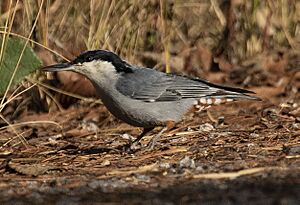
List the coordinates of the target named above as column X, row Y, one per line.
column 101, row 70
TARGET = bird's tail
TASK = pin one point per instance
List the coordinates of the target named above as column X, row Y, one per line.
column 234, row 95
column 226, row 93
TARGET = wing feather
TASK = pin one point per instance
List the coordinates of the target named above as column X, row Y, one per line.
column 150, row 86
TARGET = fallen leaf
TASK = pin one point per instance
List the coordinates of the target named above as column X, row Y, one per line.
column 29, row 169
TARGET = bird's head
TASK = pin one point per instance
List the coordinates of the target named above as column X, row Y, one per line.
column 93, row 63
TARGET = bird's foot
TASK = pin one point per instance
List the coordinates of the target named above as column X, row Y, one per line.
column 154, row 139
column 151, row 144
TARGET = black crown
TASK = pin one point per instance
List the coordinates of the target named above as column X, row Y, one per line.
column 103, row 55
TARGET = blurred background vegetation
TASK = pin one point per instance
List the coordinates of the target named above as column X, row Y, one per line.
column 195, row 37
column 235, row 29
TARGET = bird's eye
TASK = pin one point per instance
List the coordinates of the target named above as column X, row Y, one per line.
column 89, row 59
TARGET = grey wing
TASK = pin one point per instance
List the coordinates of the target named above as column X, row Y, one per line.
column 147, row 85
column 152, row 86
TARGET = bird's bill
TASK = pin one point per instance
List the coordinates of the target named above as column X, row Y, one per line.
column 58, row 67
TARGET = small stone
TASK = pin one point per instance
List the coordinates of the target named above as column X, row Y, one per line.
column 219, row 142
column 187, row 162
column 89, row 126
column 126, row 137
column 165, row 165
column 105, row 163
column 206, row 127
column 200, row 169
column 292, row 149
column 254, row 135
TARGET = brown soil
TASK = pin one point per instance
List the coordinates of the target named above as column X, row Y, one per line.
column 245, row 152
column 239, row 153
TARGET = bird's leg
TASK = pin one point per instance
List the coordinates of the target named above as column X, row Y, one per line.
column 145, row 131
column 135, row 144
column 169, row 125
column 155, row 138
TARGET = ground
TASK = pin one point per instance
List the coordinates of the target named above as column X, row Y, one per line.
column 244, row 152
column 238, row 153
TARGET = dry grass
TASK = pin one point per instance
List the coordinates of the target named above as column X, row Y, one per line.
column 246, row 28
column 129, row 27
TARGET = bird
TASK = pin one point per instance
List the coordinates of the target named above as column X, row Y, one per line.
column 144, row 97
